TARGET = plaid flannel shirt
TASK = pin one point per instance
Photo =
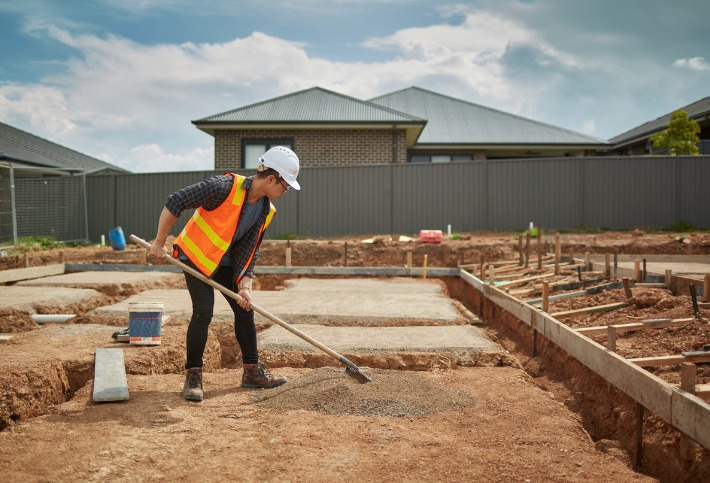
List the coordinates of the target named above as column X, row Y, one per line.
column 211, row 193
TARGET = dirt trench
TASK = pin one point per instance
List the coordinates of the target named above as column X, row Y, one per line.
column 607, row 414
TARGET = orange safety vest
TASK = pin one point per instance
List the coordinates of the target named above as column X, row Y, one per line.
column 208, row 235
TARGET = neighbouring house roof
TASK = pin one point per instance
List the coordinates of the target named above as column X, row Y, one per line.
column 27, row 149
column 316, row 108
column 455, row 122
column 315, row 105
column 697, row 110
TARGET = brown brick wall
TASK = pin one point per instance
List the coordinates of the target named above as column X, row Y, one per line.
column 335, row 147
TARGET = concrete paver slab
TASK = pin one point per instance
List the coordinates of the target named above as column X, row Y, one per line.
column 27, row 298
column 331, row 308
column 403, row 348
column 380, row 339
column 98, row 278
column 397, row 285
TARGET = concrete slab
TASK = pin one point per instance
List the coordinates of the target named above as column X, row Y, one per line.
column 320, row 301
column 79, row 279
column 380, row 339
column 411, row 348
column 397, row 285
column 28, row 298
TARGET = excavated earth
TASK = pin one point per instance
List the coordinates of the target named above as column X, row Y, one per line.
column 517, row 418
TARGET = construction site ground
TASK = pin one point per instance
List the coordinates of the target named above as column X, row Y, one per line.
column 454, row 396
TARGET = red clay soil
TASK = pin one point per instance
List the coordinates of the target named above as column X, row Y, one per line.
column 558, row 422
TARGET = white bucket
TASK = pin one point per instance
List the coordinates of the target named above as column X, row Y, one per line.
column 145, row 320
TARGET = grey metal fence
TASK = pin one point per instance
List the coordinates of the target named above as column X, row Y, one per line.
column 604, row 192
column 34, row 204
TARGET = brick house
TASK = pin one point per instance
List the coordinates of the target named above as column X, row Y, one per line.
column 636, row 141
column 326, row 128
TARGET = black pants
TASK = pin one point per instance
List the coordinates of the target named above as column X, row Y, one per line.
column 202, row 296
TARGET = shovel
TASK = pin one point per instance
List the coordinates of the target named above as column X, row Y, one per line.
column 351, row 369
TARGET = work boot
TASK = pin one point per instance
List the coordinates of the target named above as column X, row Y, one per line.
column 259, row 376
column 192, row 390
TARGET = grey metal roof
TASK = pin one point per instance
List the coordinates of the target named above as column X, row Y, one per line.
column 23, row 147
column 697, row 109
column 312, row 105
column 453, row 121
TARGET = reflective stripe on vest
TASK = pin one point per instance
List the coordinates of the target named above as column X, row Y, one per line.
column 208, row 234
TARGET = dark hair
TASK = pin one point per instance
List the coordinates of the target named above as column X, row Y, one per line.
column 268, row 172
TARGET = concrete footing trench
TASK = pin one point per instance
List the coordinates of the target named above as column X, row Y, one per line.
column 456, row 393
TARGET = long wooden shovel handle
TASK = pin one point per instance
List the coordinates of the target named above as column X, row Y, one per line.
column 233, row 295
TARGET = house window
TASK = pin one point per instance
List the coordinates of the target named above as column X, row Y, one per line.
column 252, row 149
column 438, row 158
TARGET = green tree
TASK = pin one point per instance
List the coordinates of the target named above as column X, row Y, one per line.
column 681, row 137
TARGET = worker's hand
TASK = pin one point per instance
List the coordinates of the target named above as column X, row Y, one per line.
column 157, row 251
column 245, row 300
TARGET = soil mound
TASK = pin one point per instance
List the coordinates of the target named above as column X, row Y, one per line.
column 390, row 394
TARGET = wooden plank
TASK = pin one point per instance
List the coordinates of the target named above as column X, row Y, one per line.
column 688, row 413
column 476, row 282
column 509, row 303
column 589, row 310
column 110, row 383
column 525, row 280
column 4, row 339
column 17, row 274
column 670, row 360
column 691, row 415
column 631, row 327
column 649, row 390
column 589, row 291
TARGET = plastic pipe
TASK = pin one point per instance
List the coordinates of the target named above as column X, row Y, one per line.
column 51, row 318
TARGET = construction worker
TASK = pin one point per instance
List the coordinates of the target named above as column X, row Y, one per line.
column 222, row 241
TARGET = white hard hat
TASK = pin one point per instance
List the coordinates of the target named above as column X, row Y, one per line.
column 284, row 161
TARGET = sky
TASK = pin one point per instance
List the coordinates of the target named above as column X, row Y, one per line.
column 122, row 80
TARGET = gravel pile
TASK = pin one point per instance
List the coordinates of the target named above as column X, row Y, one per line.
column 390, row 394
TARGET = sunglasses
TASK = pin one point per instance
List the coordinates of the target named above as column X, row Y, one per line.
column 284, row 186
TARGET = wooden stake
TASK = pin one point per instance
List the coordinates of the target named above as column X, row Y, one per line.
column 587, row 261
column 558, row 251
column 527, row 250
column 687, row 384
column 409, row 259
column 546, row 297
column 607, row 265
column 669, row 280
column 639, row 436
column 533, row 324
column 520, row 249
column 288, row 256
column 26, row 260
column 345, row 255
column 643, row 278
column 61, row 256
column 637, row 271
column 491, row 274
column 694, row 300
column 627, row 288
column 483, row 268
column 539, row 249
column 706, row 288
column 611, row 338
column 424, row 271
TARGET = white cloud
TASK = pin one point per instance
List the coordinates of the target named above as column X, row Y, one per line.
column 133, row 103
column 153, row 158
column 692, row 63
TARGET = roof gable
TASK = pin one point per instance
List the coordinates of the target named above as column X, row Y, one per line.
column 697, row 109
column 453, row 121
column 314, row 105
column 23, row 147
